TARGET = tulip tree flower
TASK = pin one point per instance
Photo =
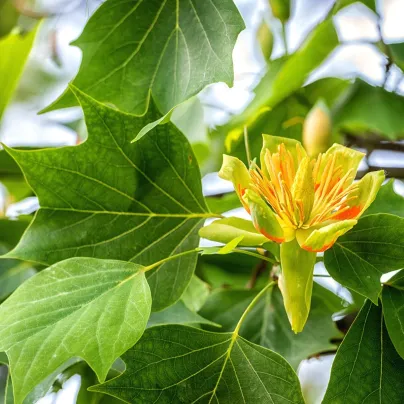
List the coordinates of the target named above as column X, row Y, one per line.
column 304, row 204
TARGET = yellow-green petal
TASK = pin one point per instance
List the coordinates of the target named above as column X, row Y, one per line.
column 303, row 187
column 272, row 144
column 296, row 283
column 234, row 170
column 264, row 219
column 347, row 158
column 320, row 238
column 368, row 187
column 227, row 229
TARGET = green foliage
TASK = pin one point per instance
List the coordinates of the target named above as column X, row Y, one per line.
column 371, row 109
column 106, row 280
column 118, row 204
column 169, row 363
column 268, row 324
column 373, row 247
column 367, row 368
column 393, row 302
column 167, row 49
column 387, row 201
column 82, row 307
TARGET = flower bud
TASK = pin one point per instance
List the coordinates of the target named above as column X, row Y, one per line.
column 280, row 9
column 266, row 40
column 317, row 129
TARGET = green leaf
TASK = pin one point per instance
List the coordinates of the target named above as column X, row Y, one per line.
column 268, row 324
column 180, row 364
column 108, row 198
column 223, row 203
column 329, row 89
column 12, row 178
column 165, row 49
column 340, row 4
column 397, row 50
column 195, row 295
column 367, row 368
column 387, row 201
column 373, row 247
column 178, row 313
column 230, row 270
column 371, row 109
column 13, row 273
column 94, row 309
column 12, row 230
column 14, row 51
column 393, row 303
column 287, row 75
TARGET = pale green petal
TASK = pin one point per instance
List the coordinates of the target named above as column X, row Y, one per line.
column 234, row 170
column 296, row 283
column 369, row 186
column 264, row 219
column 226, row 230
column 272, row 144
column 320, row 238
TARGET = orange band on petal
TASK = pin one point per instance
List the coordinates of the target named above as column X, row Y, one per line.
column 350, row 213
column 278, row 240
column 322, row 249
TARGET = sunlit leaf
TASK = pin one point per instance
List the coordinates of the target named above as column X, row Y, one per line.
column 94, row 309
column 166, row 49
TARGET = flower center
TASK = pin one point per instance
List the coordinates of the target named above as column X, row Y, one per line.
column 324, row 190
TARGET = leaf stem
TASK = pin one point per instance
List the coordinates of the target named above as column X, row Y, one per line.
column 250, row 306
column 252, row 254
column 170, row 258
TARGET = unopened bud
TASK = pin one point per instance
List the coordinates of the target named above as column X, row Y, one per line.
column 317, row 129
column 280, row 9
column 266, row 40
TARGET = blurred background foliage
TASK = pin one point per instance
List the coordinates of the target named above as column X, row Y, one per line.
column 348, row 55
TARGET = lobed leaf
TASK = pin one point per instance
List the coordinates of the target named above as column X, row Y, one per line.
column 165, row 49
column 108, row 198
column 268, row 324
column 179, row 364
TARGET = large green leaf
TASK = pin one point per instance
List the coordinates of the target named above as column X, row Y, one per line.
column 14, row 50
column 287, row 75
column 367, row 368
column 373, row 247
column 371, row 109
column 387, row 201
column 167, row 49
column 268, row 325
column 86, row 307
column 181, row 364
column 393, row 303
column 108, row 198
